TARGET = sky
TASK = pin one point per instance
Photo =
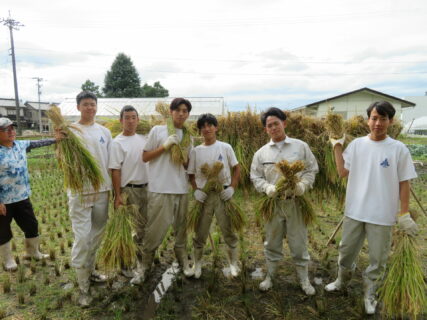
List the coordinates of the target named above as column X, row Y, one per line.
column 252, row 53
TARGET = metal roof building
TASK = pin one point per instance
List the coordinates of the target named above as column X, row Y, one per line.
column 110, row 107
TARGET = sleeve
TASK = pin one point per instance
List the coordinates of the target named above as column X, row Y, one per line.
column 231, row 156
column 311, row 168
column 116, row 156
column 32, row 144
column 405, row 166
column 192, row 162
column 151, row 140
column 348, row 155
column 257, row 173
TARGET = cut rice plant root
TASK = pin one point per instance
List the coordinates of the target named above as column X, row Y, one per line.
column 334, row 124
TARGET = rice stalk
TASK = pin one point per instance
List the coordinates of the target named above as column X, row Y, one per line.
column 334, row 124
column 119, row 249
column 81, row 170
column 403, row 292
column 236, row 214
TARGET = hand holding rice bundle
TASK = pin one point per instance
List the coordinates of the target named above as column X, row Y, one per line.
column 286, row 187
column 119, row 250
column 79, row 167
column 215, row 185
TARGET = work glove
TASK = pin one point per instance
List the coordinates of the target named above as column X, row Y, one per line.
column 270, row 190
column 226, row 194
column 300, row 188
column 340, row 141
column 408, row 225
column 200, row 196
column 170, row 141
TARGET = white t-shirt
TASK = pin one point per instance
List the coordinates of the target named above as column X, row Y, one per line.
column 164, row 176
column 219, row 151
column 97, row 140
column 375, row 170
column 126, row 155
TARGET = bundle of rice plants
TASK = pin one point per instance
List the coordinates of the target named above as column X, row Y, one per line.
column 215, row 185
column 119, row 249
column 80, row 169
column 403, row 292
column 285, row 187
column 178, row 152
column 334, row 124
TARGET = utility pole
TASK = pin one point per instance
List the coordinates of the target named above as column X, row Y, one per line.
column 13, row 25
column 39, row 92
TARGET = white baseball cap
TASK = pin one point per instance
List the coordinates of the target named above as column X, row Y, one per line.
column 5, row 122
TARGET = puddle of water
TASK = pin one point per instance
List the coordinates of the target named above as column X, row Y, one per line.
column 162, row 287
column 258, row 274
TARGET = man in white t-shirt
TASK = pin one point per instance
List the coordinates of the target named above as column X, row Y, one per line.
column 378, row 169
column 89, row 210
column 210, row 152
column 287, row 218
column 129, row 173
column 167, row 190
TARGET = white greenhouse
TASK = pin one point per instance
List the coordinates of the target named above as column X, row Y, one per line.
column 417, row 126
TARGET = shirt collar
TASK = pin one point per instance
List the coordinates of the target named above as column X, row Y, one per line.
column 272, row 143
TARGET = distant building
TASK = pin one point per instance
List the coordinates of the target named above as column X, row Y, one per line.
column 353, row 103
column 110, row 107
column 29, row 113
column 420, row 110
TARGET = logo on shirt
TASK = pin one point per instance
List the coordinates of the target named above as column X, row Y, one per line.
column 102, row 140
column 220, row 157
column 385, row 163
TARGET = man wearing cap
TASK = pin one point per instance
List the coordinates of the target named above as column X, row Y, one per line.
column 129, row 174
column 15, row 193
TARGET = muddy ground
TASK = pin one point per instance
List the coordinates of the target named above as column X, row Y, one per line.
column 47, row 290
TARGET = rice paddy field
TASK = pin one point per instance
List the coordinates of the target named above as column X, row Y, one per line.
column 47, row 289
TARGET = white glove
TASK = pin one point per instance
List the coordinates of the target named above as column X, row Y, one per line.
column 408, row 225
column 200, row 196
column 300, row 188
column 340, row 141
column 270, row 190
column 226, row 194
column 171, row 140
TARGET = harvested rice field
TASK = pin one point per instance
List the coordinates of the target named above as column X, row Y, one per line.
column 46, row 290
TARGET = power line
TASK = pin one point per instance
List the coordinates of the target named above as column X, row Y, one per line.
column 13, row 25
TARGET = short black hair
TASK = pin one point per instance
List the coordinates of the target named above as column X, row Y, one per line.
column 178, row 101
column 384, row 108
column 86, row 95
column 275, row 112
column 206, row 118
column 128, row 108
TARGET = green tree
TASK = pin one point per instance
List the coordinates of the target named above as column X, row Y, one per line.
column 157, row 90
column 122, row 80
column 92, row 87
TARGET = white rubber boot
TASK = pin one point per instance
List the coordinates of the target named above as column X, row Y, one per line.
column 267, row 284
column 340, row 282
column 140, row 274
column 371, row 302
column 9, row 263
column 233, row 260
column 302, row 272
column 32, row 249
column 182, row 257
column 198, row 254
column 85, row 298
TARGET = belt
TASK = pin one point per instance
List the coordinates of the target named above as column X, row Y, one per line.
column 130, row 185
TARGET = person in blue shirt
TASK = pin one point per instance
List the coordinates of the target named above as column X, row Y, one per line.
column 15, row 192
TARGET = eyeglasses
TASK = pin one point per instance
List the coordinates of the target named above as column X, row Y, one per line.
column 8, row 129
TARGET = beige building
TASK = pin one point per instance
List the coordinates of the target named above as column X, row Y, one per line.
column 353, row 103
